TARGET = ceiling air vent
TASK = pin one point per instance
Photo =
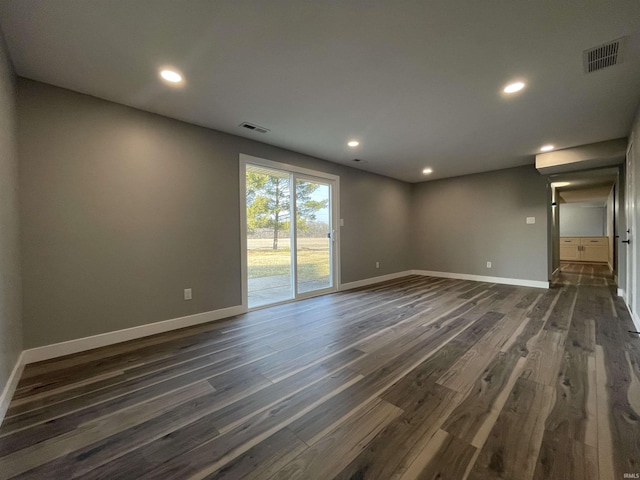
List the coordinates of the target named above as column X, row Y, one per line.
column 603, row 56
column 255, row 128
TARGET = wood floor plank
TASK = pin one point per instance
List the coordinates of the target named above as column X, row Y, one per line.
column 425, row 406
column 310, row 426
column 221, row 450
column 485, row 400
column 40, row 453
column 563, row 457
column 110, row 389
column 562, row 311
column 22, row 432
column 511, row 451
column 546, row 351
column 606, row 468
column 444, row 310
column 214, row 406
column 263, row 460
column 624, row 422
column 463, row 374
column 533, row 383
column 448, row 462
column 395, row 447
column 327, row 457
column 233, row 414
column 537, row 314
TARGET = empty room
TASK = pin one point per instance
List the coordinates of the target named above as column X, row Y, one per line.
column 249, row 239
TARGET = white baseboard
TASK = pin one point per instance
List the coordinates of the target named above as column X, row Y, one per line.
column 10, row 387
column 48, row 352
column 372, row 280
column 634, row 316
column 481, row 278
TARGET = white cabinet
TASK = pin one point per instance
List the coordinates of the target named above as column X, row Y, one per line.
column 584, row 249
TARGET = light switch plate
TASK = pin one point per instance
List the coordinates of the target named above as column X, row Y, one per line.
column 342, row 222
column 531, row 220
column 187, row 294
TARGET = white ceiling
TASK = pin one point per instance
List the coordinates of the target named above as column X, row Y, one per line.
column 592, row 186
column 594, row 195
column 417, row 82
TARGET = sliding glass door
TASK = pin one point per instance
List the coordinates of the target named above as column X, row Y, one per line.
column 314, row 235
column 269, row 263
column 289, row 233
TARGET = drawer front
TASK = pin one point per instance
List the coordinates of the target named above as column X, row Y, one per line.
column 594, row 241
column 569, row 241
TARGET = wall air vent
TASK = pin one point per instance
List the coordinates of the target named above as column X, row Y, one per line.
column 255, row 128
column 603, row 56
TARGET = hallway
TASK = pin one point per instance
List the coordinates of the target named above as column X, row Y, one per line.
column 584, row 274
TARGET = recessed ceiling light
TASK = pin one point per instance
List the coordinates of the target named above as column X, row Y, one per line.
column 171, row 76
column 561, row 184
column 514, row 87
column 353, row 143
column 547, row 148
column 427, row 171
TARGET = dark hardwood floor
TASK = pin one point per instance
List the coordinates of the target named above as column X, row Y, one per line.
column 415, row 378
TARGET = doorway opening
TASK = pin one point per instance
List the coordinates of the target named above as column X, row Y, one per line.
column 585, row 222
column 289, row 241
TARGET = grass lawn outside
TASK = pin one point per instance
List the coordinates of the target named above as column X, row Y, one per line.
column 313, row 258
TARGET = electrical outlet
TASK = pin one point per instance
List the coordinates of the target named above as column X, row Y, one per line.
column 187, row 294
column 377, row 264
column 488, row 264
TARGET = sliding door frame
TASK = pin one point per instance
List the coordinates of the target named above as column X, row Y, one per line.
column 303, row 173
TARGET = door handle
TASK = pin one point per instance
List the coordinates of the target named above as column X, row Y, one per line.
column 626, row 241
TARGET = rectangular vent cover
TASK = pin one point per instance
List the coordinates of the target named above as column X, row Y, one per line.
column 255, row 128
column 603, row 56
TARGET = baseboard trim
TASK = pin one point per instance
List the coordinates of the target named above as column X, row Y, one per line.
column 634, row 316
column 482, row 278
column 621, row 292
column 372, row 280
column 555, row 271
column 55, row 350
column 10, row 387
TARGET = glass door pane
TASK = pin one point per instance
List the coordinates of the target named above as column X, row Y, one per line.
column 269, row 265
column 313, row 235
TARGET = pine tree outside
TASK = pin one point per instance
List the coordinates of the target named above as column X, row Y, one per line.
column 268, row 197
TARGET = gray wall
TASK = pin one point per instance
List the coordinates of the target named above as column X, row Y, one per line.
column 10, row 301
column 122, row 209
column 461, row 223
column 582, row 219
